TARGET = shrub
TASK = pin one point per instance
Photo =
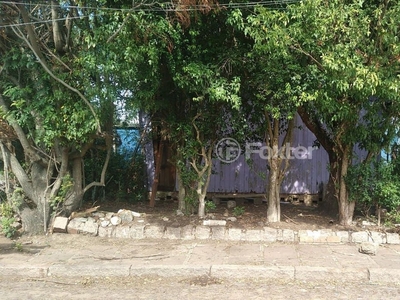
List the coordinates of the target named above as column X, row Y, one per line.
column 374, row 185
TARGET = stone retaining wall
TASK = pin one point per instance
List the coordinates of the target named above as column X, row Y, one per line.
column 90, row 226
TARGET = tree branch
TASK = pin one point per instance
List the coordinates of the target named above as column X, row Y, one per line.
column 103, row 171
column 119, row 29
column 33, row 45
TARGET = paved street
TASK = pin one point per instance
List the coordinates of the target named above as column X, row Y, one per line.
column 82, row 267
column 192, row 288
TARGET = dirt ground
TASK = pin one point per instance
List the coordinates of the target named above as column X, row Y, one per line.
column 296, row 216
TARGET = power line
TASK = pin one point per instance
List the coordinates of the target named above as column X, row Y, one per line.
column 168, row 6
column 41, row 22
column 163, row 7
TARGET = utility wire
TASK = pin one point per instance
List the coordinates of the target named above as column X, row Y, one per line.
column 41, row 22
column 168, row 6
column 163, row 7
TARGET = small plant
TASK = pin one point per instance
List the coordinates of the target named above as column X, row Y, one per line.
column 210, row 206
column 7, row 219
column 392, row 218
column 18, row 247
column 238, row 211
column 6, row 210
column 7, row 226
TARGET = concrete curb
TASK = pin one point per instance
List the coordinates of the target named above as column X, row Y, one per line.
column 253, row 272
column 205, row 232
column 89, row 270
column 24, row 271
column 297, row 273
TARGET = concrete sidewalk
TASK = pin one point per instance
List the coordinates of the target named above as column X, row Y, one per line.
column 70, row 255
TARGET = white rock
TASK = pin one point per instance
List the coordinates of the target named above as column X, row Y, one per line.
column 232, row 219
column 125, row 215
column 60, row 224
column 98, row 214
column 105, row 223
column 115, row 220
column 179, row 213
column 165, row 219
column 368, row 248
column 136, row 214
column 109, row 215
column 367, row 223
column 214, row 222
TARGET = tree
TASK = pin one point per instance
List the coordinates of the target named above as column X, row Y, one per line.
column 51, row 92
column 273, row 89
column 191, row 90
column 349, row 54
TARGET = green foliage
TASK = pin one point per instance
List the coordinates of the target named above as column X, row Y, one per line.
column 125, row 179
column 375, row 184
column 18, row 246
column 6, row 225
column 7, row 219
column 66, row 185
column 392, row 217
column 210, row 206
column 238, row 211
column 6, row 210
column 16, row 199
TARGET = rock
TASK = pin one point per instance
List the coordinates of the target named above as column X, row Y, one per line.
column 179, row 213
column 98, row 214
column 115, row 220
column 76, row 226
column 136, row 214
column 226, row 213
column 109, row 215
column 214, row 222
column 104, row 223
column 211, row 216
column 367, row 223
column 90, row 227
column 231, row 204
column 368, row 248
column 60, row 224
column 125, row 215
column 165, row 219
column 231, row 219
column 216, row 200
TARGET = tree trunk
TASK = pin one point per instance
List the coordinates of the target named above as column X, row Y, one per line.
column 35, row 213
column 329, row 200
column 346, row 208
column 278, row 163
column 32, row 220
column 202, row 204
column 181, row 192
column 74, row 199
column 156, row 174
column 273, row 193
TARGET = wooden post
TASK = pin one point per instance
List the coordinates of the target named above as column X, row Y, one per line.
column 156, row 174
